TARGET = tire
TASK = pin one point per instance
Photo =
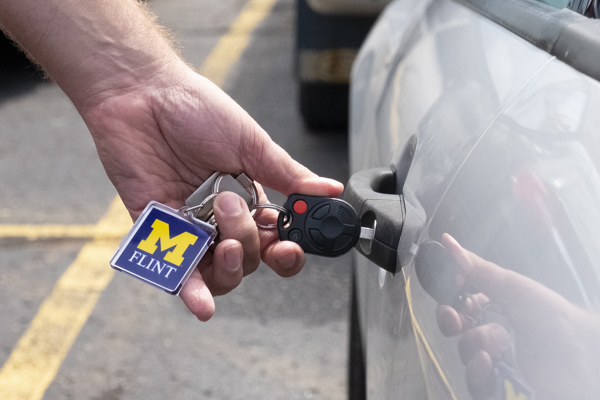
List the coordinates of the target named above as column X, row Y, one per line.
column 324, row 106
column 357, row 382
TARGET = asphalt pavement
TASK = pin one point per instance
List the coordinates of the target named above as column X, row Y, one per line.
column 271, row 338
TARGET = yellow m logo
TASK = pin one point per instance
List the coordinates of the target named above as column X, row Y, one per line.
column 510, row 392
column 160, row 231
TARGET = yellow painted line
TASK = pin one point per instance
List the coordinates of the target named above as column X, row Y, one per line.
column 34, row 232
column 35, row 360
column 231, row 46
column 420, row 336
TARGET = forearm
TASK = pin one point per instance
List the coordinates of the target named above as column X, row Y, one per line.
column 93, row 48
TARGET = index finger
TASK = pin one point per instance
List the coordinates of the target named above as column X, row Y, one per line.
column 269, row 164
column 502, row 286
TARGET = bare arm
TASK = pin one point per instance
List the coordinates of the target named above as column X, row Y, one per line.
column 90, row 48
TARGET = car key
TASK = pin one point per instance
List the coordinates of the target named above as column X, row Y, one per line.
column 321, row 225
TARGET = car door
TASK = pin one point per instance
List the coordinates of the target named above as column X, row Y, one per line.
column 491, row 140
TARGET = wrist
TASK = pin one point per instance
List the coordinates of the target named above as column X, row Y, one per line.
column 124, row 77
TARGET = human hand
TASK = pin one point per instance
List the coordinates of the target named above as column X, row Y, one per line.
column 556, row 343
column 163, row 138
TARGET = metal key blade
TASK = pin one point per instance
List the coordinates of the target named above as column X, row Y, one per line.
column 367, row 233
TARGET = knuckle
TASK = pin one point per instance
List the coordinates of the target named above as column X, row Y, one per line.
column 251, row 261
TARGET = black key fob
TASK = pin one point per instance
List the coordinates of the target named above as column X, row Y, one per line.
column 436, row 270
column 320, row 225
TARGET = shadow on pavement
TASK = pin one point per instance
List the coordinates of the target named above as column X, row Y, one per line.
column 18, row 75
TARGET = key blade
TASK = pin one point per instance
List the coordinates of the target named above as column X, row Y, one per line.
column 367, row 233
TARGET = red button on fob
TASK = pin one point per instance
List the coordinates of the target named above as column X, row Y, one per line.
column 300, row 207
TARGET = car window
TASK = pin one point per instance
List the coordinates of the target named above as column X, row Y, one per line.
column 555, row 3
column 569, row 32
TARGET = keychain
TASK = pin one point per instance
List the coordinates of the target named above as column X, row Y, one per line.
column 165, row 245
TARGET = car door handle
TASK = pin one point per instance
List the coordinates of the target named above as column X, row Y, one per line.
column 373, row 195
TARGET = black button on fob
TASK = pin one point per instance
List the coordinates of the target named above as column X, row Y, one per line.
column 320, row 225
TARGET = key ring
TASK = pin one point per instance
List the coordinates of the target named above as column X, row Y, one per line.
column 281, row 209
column 243, row 180
column 478, row 319
column 213, row 184
column 196, row 209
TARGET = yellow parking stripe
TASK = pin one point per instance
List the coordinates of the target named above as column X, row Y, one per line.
column 35, row 360
column 232, row 45
column 421, row 337
column 34, row 232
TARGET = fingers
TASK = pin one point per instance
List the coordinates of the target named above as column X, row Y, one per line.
column 285, row 258
column 478, row 271
column 449, row 320
column 277, row 170
column 197, row 298
column 503, row 286
column 478, row 348
column 224, row 270
column 235, row 222
column 480, row 376
column 217, row 273
column 452, row 322
column 491, row 338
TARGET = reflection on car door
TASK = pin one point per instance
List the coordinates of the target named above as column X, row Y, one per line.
column 446, row 77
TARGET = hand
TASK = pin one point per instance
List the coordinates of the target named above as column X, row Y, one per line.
column 162, row 138
column 556, row 343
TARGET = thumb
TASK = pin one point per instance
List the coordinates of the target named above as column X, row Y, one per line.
column 276, row 169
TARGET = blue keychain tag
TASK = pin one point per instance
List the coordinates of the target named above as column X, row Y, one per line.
column 163, row 247
column 510, row 384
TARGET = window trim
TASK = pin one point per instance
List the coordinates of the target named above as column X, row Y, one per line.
column 567, row 35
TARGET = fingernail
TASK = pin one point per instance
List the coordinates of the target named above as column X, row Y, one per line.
column 331, row 181
column 500, row 336
column 452, row 240
column 233, row 258
column 460, row 280
column 230, row 204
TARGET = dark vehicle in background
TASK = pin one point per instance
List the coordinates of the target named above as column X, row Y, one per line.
column 475, row 153
column 329, row 34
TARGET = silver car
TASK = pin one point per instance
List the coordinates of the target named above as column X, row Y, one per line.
column 475, row 152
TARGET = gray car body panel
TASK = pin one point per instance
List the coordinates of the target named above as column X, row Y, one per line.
column 506, row 161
